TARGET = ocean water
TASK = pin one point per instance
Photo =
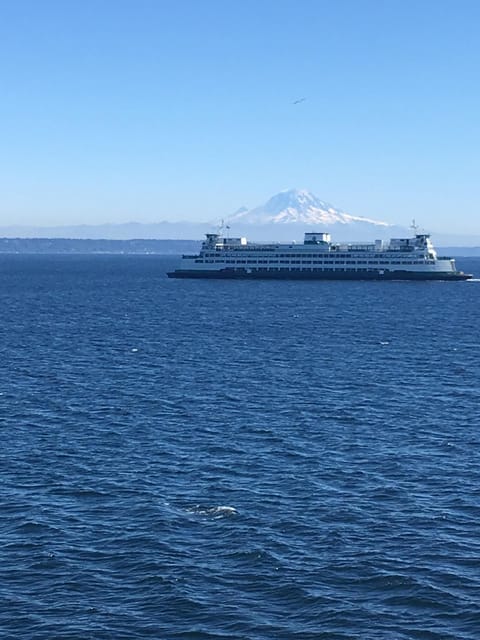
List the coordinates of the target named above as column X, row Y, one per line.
column 235, row 459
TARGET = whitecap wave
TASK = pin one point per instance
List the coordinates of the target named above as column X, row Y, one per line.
column 220, row 511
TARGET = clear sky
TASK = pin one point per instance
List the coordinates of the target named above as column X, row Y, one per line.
column 146, row 110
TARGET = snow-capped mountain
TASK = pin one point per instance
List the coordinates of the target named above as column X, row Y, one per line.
column 297, row 206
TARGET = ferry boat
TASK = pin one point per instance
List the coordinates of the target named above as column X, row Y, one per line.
column 318, row 258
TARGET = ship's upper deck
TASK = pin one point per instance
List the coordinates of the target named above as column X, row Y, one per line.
column 321, row 243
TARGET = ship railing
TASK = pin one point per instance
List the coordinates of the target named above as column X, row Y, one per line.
column 245, row 247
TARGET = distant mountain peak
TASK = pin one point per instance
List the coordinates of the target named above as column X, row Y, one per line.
column 241, row 210
column 297, row 206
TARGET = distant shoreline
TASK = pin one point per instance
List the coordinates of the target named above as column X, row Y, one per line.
column 85, row 246
column 76, row 246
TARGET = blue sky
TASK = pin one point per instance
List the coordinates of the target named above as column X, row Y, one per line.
column 147, row 110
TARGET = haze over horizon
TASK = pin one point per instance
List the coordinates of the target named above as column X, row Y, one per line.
column 150, row 111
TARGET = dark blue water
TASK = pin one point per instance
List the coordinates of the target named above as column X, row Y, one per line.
column 255, row 460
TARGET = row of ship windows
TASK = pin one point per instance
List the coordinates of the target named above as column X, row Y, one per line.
column 373, row 270
column 297, row 255
column 342, row 262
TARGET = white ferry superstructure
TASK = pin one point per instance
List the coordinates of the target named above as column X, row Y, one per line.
column 318, row 258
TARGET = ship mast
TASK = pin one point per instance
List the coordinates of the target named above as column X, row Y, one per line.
column 222, row 227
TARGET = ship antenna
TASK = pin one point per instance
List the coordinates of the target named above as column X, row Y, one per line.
column 414, row 226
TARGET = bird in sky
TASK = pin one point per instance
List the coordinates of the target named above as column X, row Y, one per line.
column 299, row 100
